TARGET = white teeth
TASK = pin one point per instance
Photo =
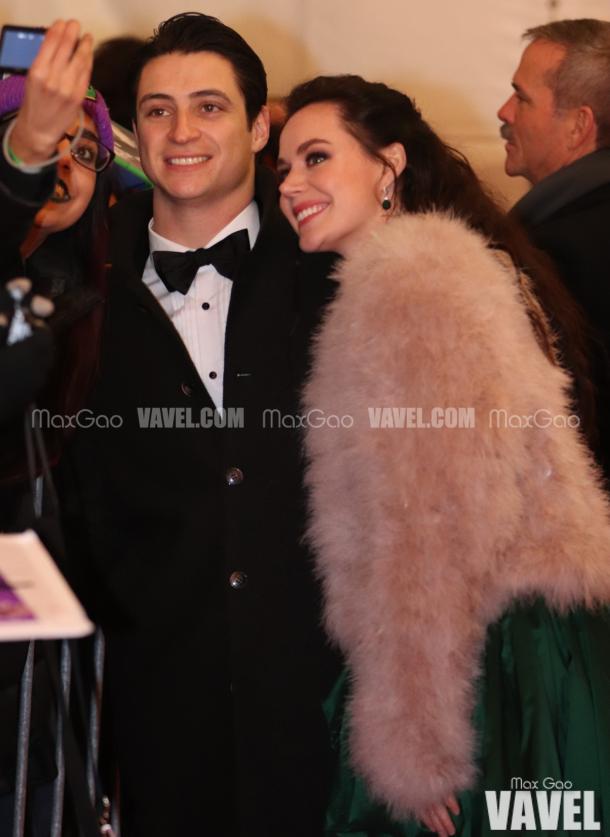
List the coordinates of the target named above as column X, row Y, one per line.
column 187, row 161
column 311, row 210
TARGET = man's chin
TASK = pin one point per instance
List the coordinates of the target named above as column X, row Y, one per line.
column 185, row 194
column 512, row 166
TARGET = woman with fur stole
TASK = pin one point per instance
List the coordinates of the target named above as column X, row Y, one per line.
column 461, row 530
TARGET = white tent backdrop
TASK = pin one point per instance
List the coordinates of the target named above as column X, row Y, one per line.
column 455, row 58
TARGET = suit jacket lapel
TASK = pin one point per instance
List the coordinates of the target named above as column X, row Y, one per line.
column 130, row 250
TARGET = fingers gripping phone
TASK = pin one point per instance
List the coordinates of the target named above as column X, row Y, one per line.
column 19, row 46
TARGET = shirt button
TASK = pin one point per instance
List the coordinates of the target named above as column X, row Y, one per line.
column 238, row 579
column 213, row 375
column 205, row 306
column 186, row 389
column 234, row 476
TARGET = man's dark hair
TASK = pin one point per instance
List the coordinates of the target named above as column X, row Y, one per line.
column 195, row 32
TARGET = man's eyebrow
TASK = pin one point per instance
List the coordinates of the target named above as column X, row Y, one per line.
column 164, row 96
column 211, row 92
column 197, row 94
column 518, row 89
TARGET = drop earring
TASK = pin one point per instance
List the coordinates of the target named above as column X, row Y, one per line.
column 386, row 203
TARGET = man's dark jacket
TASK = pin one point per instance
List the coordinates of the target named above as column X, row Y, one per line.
column 188, row 550
column 567, row 215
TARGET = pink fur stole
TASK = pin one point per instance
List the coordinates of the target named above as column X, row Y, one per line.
column 424, row 536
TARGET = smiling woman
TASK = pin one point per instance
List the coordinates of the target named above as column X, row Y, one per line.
column 335, row 176
column 433, row 540
column 55, row 190
column 74, row 186
column 56, row 149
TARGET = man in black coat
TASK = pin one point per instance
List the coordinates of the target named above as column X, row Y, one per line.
column 183, row 498
column 557, row 127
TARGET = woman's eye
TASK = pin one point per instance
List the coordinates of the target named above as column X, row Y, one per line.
column 282, row 174
column 316, row 157
column 85, row 153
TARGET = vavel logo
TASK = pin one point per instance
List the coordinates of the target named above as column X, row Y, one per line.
column 527, row 807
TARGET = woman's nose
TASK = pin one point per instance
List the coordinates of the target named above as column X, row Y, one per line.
column 63, row 148
column 291, row 183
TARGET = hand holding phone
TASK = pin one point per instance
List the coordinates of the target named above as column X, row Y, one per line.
column 55, row 88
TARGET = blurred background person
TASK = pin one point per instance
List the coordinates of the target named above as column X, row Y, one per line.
column 54, row 189
column 116, row 64
column 556, row 125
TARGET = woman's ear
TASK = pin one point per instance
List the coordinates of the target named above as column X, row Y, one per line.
column 396, row 158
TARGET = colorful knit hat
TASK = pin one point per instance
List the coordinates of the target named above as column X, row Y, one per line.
column 11, row 97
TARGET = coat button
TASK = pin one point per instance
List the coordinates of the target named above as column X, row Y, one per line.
column 238, row 579
column 186, row 389
column 234, row 476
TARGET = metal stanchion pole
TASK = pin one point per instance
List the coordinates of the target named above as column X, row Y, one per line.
column 60, row 781
column 94, row 714
column 23, row 742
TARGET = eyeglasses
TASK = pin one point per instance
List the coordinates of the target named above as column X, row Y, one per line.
column 89, row 152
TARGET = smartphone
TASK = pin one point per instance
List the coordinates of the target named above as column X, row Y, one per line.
column 19, row 46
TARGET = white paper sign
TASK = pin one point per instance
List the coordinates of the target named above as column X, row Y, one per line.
column 35, row 600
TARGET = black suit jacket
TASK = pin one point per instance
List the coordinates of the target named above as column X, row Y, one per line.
column 215, row 680
column 576, row 235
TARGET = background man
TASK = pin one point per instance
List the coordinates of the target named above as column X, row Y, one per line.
column 186, row 540
column 557, row 128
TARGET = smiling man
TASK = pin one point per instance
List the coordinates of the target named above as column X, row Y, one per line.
column 197, row 144
column 187, row 537
column 556, row 125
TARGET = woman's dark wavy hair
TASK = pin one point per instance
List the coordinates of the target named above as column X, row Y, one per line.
column 78, row 322
column 76, row 325
column 438, row 177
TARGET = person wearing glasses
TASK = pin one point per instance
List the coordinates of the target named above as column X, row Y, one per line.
column 56, row 149
column 54, row 189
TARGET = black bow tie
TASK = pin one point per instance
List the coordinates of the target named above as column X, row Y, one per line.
column 177, row 270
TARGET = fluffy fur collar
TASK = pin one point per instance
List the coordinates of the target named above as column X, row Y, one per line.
column 425, row 535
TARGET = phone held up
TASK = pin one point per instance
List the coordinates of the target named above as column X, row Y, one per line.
column 19, row 46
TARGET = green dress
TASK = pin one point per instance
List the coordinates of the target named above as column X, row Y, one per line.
column 543, row 712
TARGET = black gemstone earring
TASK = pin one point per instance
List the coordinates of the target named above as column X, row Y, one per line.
column 386, row 203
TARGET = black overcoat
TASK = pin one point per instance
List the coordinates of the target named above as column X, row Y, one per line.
column 187, row 548
column 576, row 235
